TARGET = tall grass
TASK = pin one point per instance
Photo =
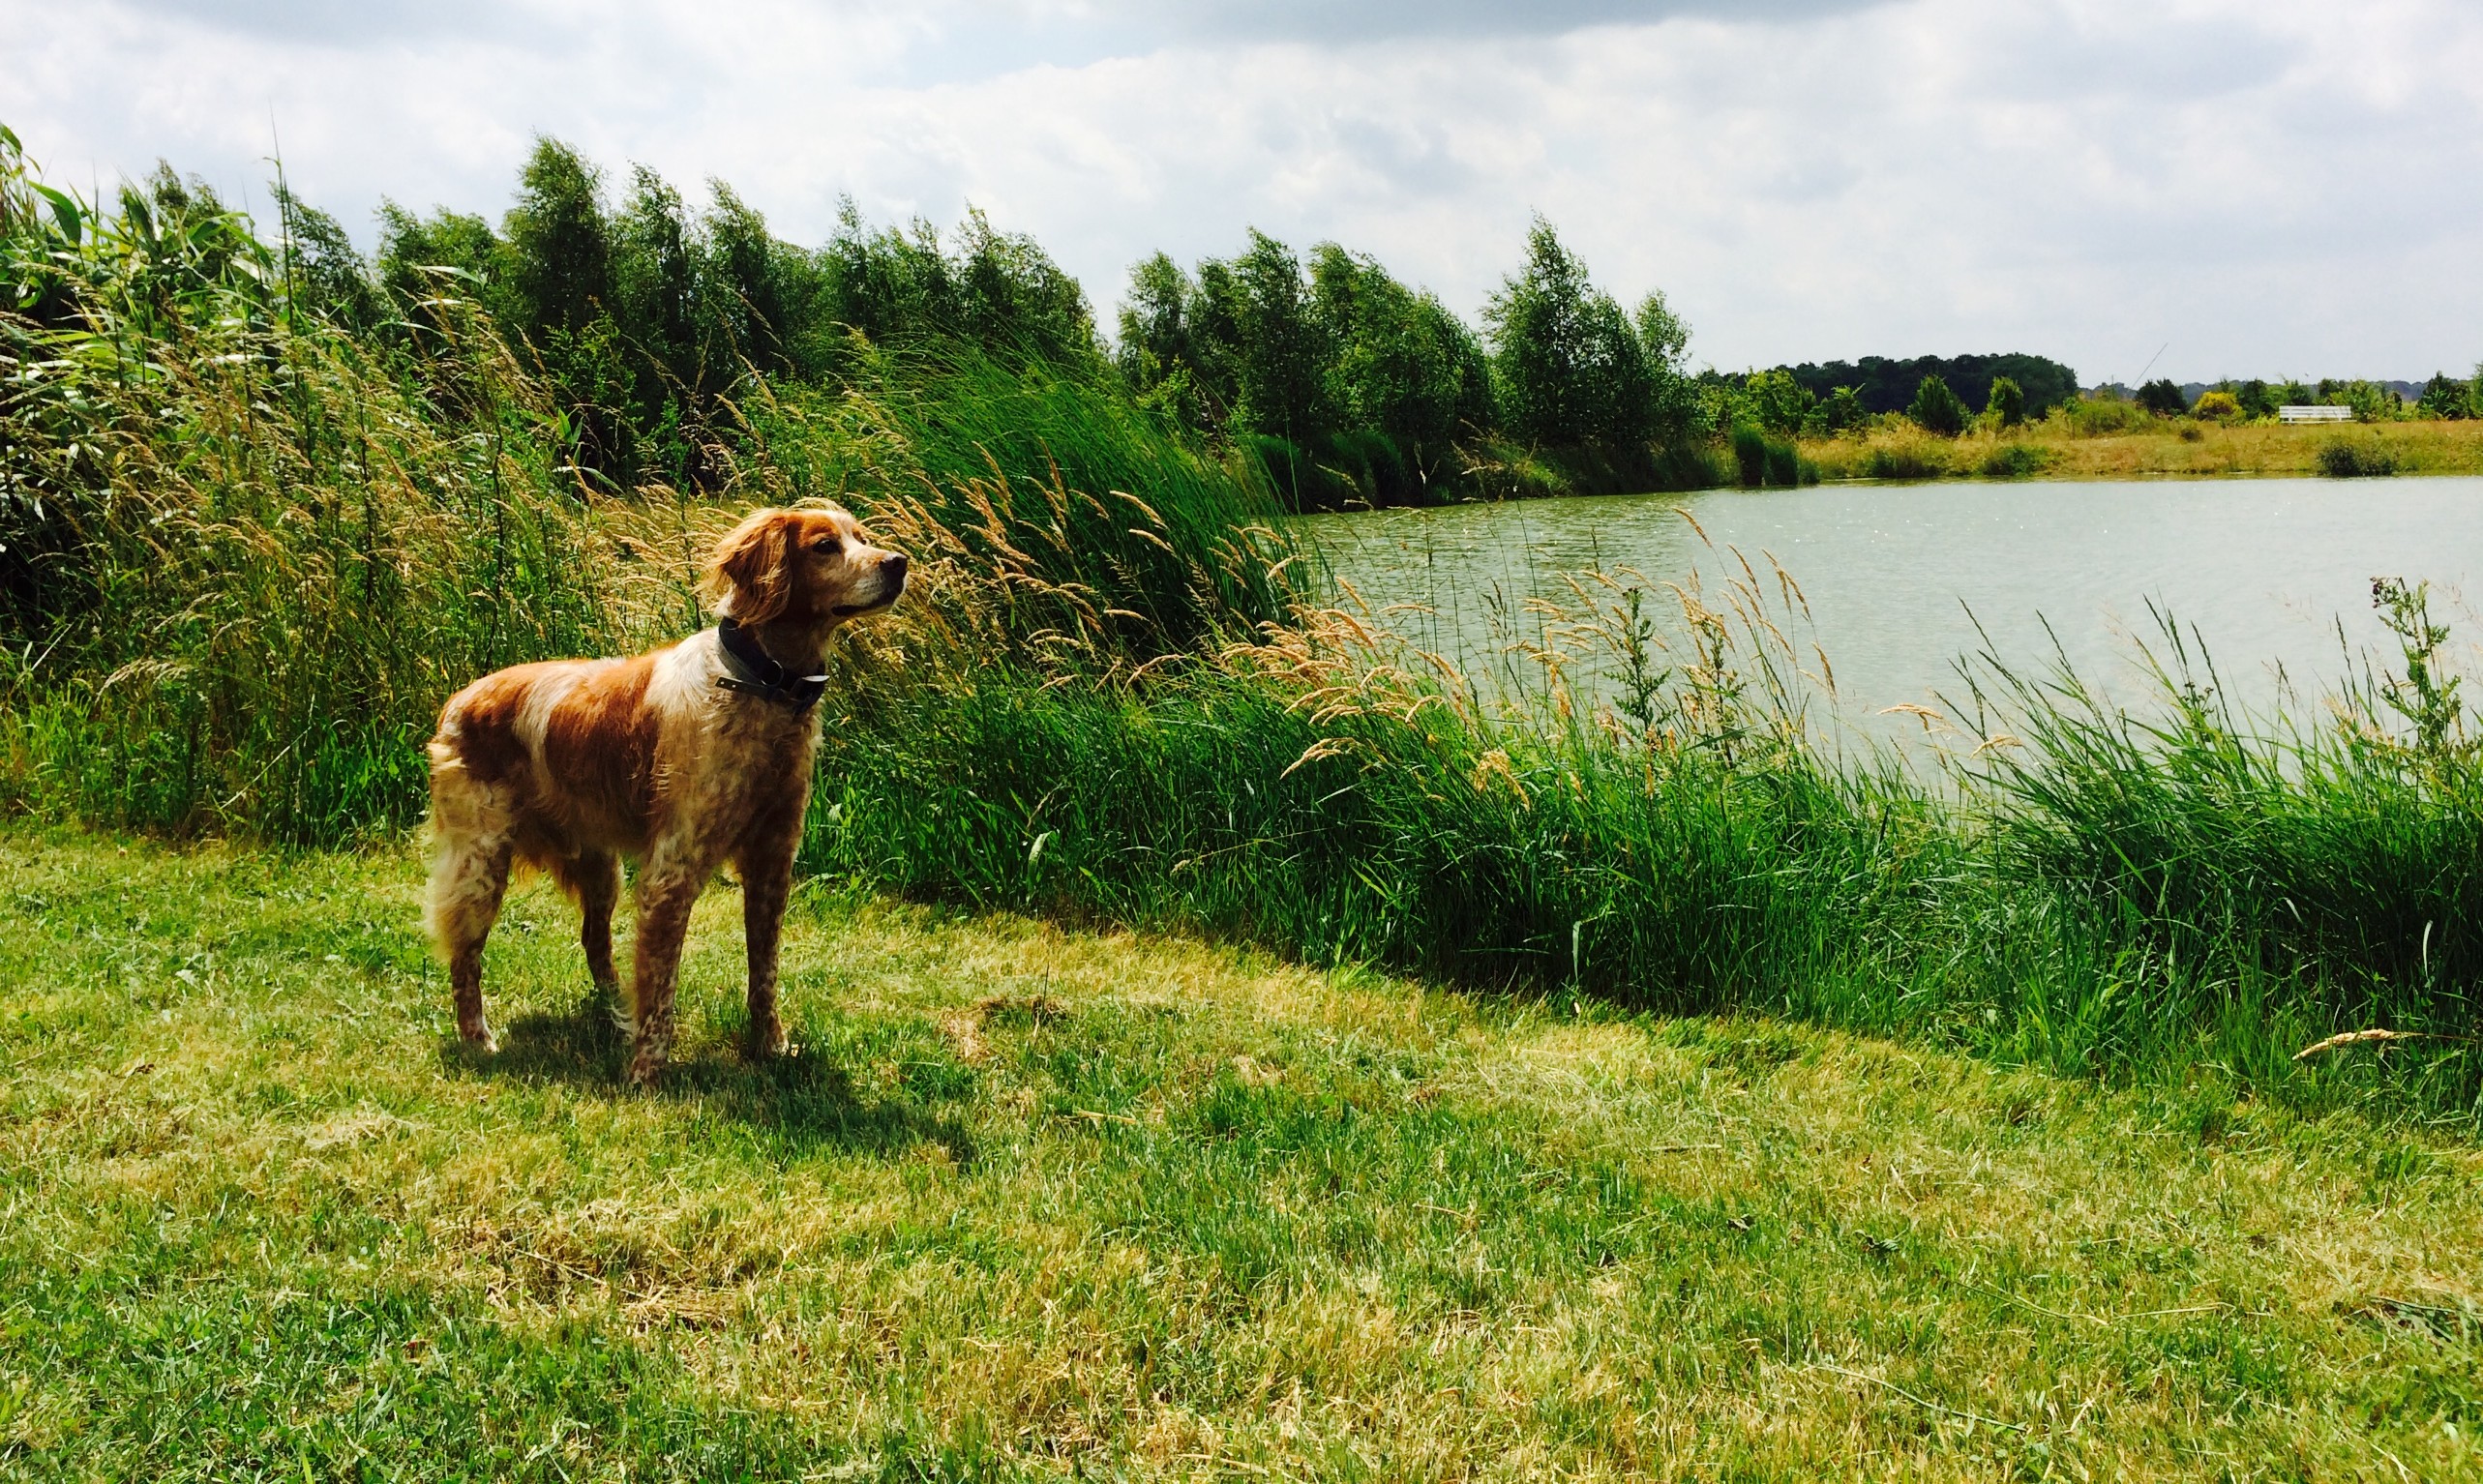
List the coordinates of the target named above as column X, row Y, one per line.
column 266, row 552
column 2113, row 895
column 261, row 557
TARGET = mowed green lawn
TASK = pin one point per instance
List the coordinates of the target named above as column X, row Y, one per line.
column 1034, row 1203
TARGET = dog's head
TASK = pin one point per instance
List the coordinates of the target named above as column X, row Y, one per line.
column 814, row 567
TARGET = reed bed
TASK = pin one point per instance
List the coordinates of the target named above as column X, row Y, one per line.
column 263, row 552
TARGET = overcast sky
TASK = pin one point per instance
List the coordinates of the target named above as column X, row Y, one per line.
column 2255, row 187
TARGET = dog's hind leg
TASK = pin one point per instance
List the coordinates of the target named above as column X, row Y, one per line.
column 466, row 881
column 593, row 877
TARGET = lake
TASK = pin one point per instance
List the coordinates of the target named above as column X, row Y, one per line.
column 1897, row 576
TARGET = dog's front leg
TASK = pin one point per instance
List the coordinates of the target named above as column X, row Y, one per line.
column 668, row 887
column 767, row 867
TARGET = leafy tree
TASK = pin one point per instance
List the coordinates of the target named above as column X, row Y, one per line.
column 1664, row 334
column 559, row 251
column 1012, row 298
column 1157, row 351
column 1779, row 401
column 446, row 255
column 323, row 271
column 1281, row 348
column 655, row 276
column 2294, row 393
column 2217, row 404
column 1937, row 408
column 2007, row 404
column 2256, row 399
column 1403, row 366
column 1571, row 369
column 1842, row 408
column 765, row 293
column 2163, row 397
column 2445, row 397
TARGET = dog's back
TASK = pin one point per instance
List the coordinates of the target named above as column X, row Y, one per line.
column 563, row 755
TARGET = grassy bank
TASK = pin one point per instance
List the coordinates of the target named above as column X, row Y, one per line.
column 2153, row 448
column 1032, row 1203
column 250, row 550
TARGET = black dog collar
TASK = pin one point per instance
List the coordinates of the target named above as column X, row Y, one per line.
column 756, row 674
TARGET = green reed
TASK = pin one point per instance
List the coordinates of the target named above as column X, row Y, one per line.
column 268, row 550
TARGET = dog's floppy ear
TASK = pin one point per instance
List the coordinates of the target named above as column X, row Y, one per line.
column 748, row 568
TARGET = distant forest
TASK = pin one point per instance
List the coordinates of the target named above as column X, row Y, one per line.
column 1884, row 385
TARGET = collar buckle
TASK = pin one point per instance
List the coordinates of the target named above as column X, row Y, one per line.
column 755, row 673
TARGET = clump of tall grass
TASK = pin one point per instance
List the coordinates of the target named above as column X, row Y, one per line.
column 1074, row 502
column 250, row 555
column 2100, row 892
column 269, row 562
column 1760, row 460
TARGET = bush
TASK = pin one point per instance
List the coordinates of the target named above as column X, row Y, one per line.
column 2344, row 458
column 2163, row 397
column 2217, row 407
column 1937, row 409
column 2016, row 460
column 2101, row 415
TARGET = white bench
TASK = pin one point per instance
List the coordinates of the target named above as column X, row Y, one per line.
column 2315, row 414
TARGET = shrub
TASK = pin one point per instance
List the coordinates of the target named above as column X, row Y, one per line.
column 1937, row 409
column 2016, row 460
column 1840, row 411
column 2344, row 458
column 2217, row 407
column 2102, row 414
column 2163, row 397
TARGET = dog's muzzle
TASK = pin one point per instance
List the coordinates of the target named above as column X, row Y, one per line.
column 892, row 586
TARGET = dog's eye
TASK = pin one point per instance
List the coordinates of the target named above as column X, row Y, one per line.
column 829, row 546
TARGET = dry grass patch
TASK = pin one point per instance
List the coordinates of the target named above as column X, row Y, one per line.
column 2180, row 449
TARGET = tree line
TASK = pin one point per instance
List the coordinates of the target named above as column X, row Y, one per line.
column 1339, row 381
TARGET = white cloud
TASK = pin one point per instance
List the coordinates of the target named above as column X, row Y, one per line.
column 2269, row 186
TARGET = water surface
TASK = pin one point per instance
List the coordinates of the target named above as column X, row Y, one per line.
column 1899, row 575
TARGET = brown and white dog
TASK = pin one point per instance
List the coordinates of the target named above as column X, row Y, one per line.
column 684, row 759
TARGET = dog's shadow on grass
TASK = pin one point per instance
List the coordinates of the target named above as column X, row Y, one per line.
column 802, row 1098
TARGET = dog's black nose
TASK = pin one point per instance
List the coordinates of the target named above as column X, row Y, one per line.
column 895, row 567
